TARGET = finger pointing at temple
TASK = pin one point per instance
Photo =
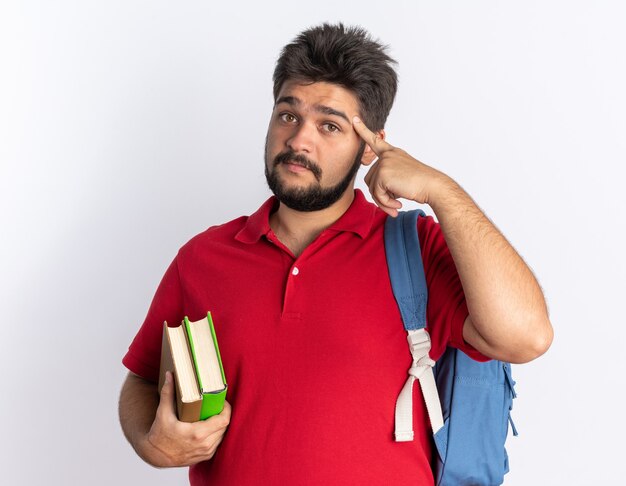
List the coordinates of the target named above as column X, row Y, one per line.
column 374, row 140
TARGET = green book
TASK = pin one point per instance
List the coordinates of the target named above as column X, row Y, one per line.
column 191, row 353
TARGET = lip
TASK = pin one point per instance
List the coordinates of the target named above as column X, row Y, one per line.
column 295, row 167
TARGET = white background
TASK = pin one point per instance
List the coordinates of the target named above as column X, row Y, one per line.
column 126, row 127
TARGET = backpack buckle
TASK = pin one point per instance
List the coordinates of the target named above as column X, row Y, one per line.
column 419, row 343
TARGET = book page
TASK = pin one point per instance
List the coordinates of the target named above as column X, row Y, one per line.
column 183, row 364
column 206, row 357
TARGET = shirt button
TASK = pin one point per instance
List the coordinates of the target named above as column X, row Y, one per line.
column 295, row 271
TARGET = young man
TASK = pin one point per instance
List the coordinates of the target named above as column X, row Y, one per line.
column 311, row 337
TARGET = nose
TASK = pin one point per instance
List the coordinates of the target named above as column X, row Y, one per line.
column 302, row 138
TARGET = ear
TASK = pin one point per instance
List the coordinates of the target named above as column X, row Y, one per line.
column 369, row 155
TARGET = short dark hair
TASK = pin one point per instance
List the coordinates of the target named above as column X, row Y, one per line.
column 346, row 56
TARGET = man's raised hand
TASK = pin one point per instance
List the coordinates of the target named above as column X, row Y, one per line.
column 396, row 174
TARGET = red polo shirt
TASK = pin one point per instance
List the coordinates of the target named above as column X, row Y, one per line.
column 313, row 347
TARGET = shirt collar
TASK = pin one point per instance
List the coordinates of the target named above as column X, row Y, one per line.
column 358, row 219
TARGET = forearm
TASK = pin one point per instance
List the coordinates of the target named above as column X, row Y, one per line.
column 139, row 400
column 506, row 305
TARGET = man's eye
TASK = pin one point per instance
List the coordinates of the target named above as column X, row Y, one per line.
column 287, row 117
column 329, row 127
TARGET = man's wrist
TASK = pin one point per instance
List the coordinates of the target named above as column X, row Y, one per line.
column 150, row 453
column 445, row 193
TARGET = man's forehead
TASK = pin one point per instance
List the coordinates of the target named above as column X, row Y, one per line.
column 318, row 95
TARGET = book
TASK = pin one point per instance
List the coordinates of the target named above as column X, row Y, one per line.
column 191, row 353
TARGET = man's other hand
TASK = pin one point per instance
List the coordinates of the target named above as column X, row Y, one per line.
column 172, row 443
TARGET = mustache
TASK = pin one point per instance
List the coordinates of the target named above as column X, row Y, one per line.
column 290, row 157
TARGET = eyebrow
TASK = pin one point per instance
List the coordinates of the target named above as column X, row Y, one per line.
column 327, row 110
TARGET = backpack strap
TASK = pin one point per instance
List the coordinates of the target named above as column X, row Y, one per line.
column 406, row 271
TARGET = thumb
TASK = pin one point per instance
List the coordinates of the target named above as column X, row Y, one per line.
column 167, row 402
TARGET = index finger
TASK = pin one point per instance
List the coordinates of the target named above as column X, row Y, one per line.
column 375, row 141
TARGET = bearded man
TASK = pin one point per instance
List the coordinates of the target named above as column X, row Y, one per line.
column 310, row 334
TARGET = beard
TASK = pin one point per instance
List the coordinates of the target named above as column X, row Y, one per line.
column 313, row 197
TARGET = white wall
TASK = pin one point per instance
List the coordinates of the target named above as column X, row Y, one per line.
column 126, row 127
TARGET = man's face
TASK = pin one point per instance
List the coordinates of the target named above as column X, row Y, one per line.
column 312, row 153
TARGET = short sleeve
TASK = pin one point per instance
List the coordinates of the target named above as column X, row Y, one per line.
column 447, row 309
column 144, row 354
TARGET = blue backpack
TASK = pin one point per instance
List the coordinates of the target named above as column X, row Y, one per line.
column 468, row 402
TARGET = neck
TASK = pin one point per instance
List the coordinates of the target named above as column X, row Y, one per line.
column 297, row 229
